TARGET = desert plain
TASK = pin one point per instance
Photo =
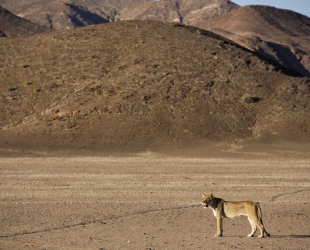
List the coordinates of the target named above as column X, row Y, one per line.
column 152, row 200
column 110, row 134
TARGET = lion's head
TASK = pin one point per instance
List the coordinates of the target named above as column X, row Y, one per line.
column 207, row 200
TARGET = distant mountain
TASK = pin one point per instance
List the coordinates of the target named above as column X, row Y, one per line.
column 281, row 35
column 67, row 14
column 75, row 13
column 13, row 26
column 191, row 13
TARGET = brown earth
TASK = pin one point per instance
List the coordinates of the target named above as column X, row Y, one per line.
column 134, row 85
column 280, row 35
column 81, row 108
column 151, row 201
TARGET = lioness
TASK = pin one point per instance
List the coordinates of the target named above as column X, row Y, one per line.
column 227, row 209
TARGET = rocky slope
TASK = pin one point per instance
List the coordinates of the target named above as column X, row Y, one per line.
column 13, row 26
column 67, row 14
column 76, row 13
column 138, row 84
column 192, row 13
column 281, row 35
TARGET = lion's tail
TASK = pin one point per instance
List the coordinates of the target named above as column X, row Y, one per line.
column 259, row 213
column 260, row 217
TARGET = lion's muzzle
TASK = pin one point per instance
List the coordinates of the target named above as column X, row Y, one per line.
column 204, row 205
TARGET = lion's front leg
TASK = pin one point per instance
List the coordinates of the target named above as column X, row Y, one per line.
column 219, row 232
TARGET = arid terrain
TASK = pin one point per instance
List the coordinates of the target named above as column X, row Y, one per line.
column 151, row 201
column 280, row 35
column 66, row 14
column 110, row 133
column 154, row 85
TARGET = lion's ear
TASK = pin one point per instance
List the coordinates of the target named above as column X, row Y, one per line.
column 204, row 196
column 211, row 195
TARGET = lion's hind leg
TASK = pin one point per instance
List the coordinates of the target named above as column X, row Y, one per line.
column 254, row 228
column 264, row 230
column 261, row 228
column 255, row 223
column 254, row 219
column 260, row 221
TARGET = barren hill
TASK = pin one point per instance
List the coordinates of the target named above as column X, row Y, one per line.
column 191, row 13
column 277, row 34
column 67, row 14
column 12, row 26
column 138, row 84
column 281, row 35
column 75, row 13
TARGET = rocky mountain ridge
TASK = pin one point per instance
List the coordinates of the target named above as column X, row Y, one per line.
column 280, row 35
column 67, row 14
column 76, row 13
column 186, row 12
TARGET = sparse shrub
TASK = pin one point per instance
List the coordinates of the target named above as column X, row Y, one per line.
column 25, row 65
column 246, row 98
column 28, row 83
column 36, row 90
column 10, row 88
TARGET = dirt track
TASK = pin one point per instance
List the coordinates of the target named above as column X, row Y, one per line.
column 149, row 202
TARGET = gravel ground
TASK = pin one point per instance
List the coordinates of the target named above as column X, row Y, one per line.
column 149, row 201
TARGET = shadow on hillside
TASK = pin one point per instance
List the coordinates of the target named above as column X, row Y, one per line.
column 271, row 52
column 83, row 14
column 292, row 236
column 284, row 55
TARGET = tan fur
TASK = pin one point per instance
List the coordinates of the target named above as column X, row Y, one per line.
column 227, row 209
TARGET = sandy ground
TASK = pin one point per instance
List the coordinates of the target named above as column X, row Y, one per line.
column 148, row 201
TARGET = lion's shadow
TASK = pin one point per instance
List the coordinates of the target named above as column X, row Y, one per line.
column 294, row 236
